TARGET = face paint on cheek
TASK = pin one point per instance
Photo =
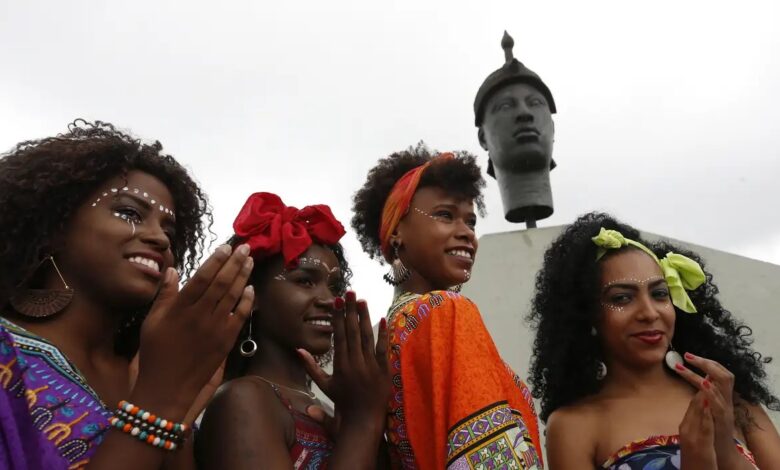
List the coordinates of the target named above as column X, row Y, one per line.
column 127, row 219
column 616, row 308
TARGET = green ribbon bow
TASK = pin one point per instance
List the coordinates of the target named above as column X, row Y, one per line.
column 681, row 273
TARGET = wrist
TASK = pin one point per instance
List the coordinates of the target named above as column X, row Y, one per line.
column 168, row 406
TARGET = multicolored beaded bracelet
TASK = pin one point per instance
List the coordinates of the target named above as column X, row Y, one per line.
column 147, row 427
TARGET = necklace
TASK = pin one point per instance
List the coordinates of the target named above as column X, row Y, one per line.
column 302, row 392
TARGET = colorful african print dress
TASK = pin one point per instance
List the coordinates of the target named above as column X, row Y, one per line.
column 312, row 447
column 455, row 403
column 49, row 417
column 656, row 453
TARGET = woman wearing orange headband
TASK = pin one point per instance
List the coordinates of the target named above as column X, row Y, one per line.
column 455, row 404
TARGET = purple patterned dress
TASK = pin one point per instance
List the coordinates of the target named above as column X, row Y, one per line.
column 49, row 417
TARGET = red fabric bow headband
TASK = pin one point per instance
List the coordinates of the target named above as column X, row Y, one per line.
column 269, row 227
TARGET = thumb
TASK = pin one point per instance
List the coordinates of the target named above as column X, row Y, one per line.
column 168, row 291
column 318, row 414
column 319, row 376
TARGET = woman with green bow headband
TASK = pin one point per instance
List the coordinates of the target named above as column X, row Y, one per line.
column 611, row 311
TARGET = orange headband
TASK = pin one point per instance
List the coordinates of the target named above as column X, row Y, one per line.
column 399, row 200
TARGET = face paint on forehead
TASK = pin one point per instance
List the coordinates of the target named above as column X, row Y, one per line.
column 640, row 282
column 311, row 263
column 114, row 192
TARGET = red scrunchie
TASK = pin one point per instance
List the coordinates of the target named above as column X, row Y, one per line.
column 270, row 227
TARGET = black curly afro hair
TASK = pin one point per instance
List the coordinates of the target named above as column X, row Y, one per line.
column 565, row 308
column 460, row 176
column 43, row 182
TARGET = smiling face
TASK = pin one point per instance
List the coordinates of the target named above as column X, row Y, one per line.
column 118, row 243
column 293, row 306
column 518, row 129
column 637, row 315
column 438, row 243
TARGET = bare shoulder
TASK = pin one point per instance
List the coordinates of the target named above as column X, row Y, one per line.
column 570, row 436
column 762, row 437
column 244, row 419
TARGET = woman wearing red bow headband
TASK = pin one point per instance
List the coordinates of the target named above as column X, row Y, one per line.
column 259, row 419
column 455, row 404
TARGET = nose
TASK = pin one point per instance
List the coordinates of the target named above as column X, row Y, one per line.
column 324, row 297
column 524, row 114
column 648, row 308
column 153, row 234
column 465, row 232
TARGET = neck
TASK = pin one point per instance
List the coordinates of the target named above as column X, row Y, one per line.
column 278, row 364
column 84, row 330
column 525, row 196
column 417, row 284
column 622, row 379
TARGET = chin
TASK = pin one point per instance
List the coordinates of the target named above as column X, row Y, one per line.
column 318, row 347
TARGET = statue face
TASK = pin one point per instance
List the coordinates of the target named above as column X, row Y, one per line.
column 517, row 129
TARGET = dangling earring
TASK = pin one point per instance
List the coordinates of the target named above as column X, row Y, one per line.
column 601, row 371
column 248, row 347
column 458, row 287
column 398, row 272
column 42, row 303
column 672, row 358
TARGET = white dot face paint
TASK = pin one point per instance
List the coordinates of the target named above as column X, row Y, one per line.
column 140, row 193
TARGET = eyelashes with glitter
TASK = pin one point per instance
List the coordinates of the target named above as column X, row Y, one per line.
column 155, row 204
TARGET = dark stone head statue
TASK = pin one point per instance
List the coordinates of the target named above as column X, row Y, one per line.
column 513, row 110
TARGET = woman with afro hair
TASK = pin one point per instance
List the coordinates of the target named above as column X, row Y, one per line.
column 637, row 364
column 455, row 403
column 96, row 227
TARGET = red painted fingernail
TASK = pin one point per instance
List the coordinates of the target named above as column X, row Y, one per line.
column 679, row 367
column 350, row 296
column 689, row 356
column 706, row 403
column 338, row 303
column 706, row 383
column 382, row 323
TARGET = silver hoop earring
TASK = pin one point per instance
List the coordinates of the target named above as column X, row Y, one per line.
column 601, row 371
column 672, row 358
column 248, row 347
column 398, row 272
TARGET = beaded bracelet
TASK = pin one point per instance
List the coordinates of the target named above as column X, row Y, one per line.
column 147, row 427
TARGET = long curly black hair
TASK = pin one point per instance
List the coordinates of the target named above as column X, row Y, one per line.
column 566, row 307
column 236, row 365
column 460, row 176
column 43, row 182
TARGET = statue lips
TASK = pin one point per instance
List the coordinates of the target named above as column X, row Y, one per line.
column 526, row 135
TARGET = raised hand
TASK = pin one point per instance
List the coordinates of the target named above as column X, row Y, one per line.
column 697, row 436
column 360, row 384
column 188, row 333
column 717, row 387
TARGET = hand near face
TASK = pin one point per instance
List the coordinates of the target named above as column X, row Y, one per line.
column 717, row 387
column 188, row 333
column 360, row 384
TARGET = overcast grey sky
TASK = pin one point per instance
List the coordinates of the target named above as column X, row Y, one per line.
column 668, row 111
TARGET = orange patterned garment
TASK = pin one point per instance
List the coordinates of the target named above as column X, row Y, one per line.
column 455, row 403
